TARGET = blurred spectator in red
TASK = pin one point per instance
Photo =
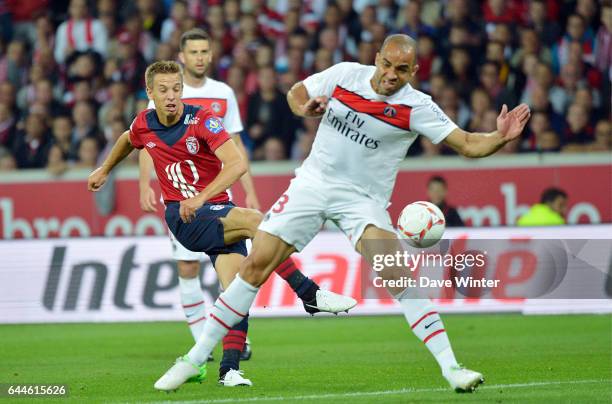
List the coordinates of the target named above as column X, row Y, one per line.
column 32, row 144
column 131, row 63
column 236, row 79
column 428, row 60
column 79, row 33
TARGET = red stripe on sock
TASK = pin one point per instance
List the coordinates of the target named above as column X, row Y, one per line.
column 186, row 306
column 234, row 340
column 197, row 321
column 236, row 312
column 423, row 318
column 286, row 268
column 433, row 334
column 238, row 347
column 220, row 322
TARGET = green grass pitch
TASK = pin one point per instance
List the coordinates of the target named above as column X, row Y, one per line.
column 539, row 359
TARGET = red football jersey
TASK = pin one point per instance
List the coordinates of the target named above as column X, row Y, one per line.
column 183, row 154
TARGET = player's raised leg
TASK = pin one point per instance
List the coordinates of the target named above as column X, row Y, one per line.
column 420, row 313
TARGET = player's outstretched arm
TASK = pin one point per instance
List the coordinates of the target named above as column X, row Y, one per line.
column 509, row 127
column 234, row 167
column 120, row 150
column 251, row 200
column 147, row 194
column 302, row 105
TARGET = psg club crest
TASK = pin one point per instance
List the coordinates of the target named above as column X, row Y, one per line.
column 193, row 146
column 213, row 125
column 216, row 107
column 389, row 112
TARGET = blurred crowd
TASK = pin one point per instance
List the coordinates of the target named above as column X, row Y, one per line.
column 71, row 72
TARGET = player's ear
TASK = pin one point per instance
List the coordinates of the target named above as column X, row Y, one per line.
column 181, row 57
column 415, row 69
column 149, row 93
column 377, row 59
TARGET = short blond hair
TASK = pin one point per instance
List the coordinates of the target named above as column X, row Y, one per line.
column 162, row 67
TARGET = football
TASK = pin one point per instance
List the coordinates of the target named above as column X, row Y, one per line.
column 421, row 223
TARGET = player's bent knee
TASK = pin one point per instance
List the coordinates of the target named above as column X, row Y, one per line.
column 253, row 219
column 188, row 269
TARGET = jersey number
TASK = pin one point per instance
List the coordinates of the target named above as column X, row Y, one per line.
column 280, row 204
column 175, row 175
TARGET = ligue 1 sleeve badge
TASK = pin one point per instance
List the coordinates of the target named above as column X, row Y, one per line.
column 213, row 125
column 193, row 146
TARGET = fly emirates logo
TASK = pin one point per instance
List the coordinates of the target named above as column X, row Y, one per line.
column 350, row 127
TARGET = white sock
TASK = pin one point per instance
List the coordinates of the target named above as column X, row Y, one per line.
column 229, row 309
column 192, row 299
column 429, row 328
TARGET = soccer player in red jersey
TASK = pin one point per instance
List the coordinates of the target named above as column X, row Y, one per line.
column 196, row 56
column 196, row 161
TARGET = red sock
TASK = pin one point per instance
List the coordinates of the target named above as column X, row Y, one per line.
column 286, row 268
column 234, row 340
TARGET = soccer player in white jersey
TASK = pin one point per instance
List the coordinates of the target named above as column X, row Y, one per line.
column 370, row 116
column 196, row 56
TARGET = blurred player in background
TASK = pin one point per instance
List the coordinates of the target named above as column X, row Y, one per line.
column 196, row 161
column 436, row 191
column 371, row 116
column 549, row 212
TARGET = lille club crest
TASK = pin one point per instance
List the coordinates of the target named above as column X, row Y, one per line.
column 193, row 146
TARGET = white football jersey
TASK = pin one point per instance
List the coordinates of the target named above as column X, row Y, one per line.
column 363, row 136
column 218, row 97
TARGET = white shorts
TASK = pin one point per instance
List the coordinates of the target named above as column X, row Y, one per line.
column 181, row 253
column 297, row 216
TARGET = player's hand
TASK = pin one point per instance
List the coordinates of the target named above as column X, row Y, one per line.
column 96, row 179
column 147, row 199
column 251, row 201
column 315, row 107
column 511, row 124
column 188, row 208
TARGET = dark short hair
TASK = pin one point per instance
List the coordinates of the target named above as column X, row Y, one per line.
column 192, row 35
column 437, row 178
column 550, row 194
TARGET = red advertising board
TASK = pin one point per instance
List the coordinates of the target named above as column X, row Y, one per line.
column 484, row 196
